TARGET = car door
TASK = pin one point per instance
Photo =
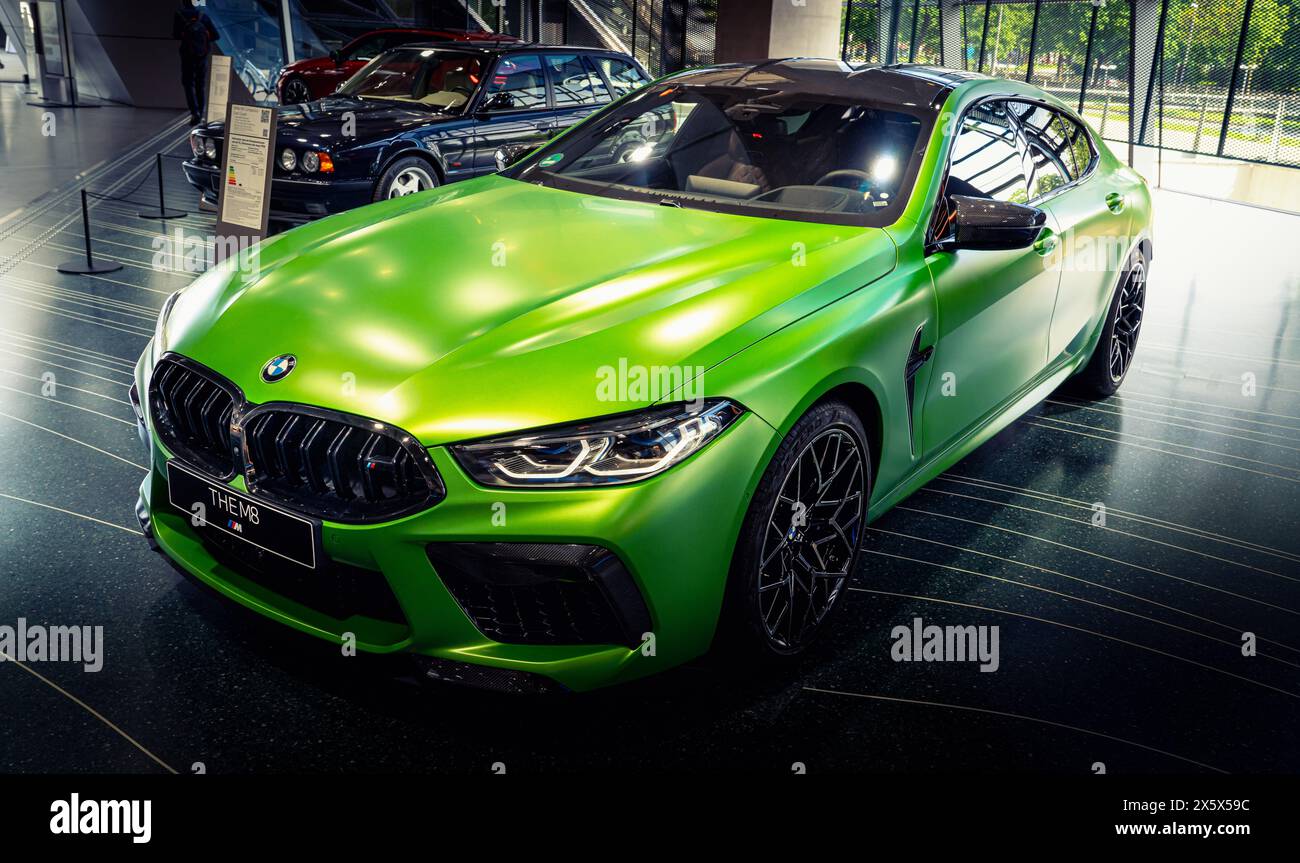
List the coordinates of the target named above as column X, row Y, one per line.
column 576, row 86
column 994, row 307
column 514, row 107
column 1090, row 217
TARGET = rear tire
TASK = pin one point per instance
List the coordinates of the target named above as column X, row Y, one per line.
column 800, row 539
column 1113, row 356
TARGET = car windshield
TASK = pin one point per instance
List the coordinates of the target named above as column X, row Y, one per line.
column 424, row 76
column 744, row 150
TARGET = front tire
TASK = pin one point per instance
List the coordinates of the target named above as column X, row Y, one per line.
column 1113, row 356
column 406, row 176
column 801, row 537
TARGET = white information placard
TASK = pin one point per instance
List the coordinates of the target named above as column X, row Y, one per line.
column 218, row 87
column 248, row 157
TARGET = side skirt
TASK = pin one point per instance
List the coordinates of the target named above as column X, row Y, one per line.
column 979, row 433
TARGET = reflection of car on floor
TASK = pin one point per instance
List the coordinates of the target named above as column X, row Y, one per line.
column 420, row 116
column 570, row 422
column 317, row 77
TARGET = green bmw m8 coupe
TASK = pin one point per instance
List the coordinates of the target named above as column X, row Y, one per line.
column 639, row 393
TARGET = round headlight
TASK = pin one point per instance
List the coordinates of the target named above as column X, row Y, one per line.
column 210, row 148
column 196, row 144
column 310, row 162
column 288, row 160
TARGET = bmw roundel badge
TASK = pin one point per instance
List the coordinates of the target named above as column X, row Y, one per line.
column 278, row 368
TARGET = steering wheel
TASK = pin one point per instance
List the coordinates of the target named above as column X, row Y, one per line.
column 844, row 173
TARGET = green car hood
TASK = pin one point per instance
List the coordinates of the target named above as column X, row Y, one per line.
column 492, row 305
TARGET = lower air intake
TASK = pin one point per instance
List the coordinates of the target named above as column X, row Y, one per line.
column 543, row 593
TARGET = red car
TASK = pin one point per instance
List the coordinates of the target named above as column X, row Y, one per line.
column 317, row 77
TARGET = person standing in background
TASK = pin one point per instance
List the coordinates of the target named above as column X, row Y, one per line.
column 197, row 36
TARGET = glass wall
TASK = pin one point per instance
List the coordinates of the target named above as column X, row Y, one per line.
column 252, row 35
column 1211, row 77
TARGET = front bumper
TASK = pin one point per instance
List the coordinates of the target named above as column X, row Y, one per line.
column 292, row 200
column 674, row 533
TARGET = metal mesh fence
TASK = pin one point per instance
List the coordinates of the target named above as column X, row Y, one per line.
column 1264, row 125
column 1061, row 48
column 919, row 39
column 553, row 21
column 862, row 32
column 1106, row 91
column 1200, row 42
column 974, row 16
column 647, row 35
column 1006, row 46
column 701, row 32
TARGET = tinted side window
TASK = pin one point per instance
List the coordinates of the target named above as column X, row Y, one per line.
column 1080, row 148
column 369, row 49
column 986, row 161
column 517, row 83
column 622, row 75
column 1051, row 163
column 602, row 92
column 573, row 82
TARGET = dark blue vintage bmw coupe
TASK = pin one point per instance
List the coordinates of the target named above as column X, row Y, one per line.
column 419, row 116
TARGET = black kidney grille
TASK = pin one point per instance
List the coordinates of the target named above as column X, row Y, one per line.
column 331, row 465
column 191, row 413
column 336, row 467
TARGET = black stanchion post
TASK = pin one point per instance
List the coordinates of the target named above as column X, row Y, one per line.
column 91, row 267
column 162, row 212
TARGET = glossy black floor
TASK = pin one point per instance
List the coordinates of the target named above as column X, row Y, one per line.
column 1120, row 644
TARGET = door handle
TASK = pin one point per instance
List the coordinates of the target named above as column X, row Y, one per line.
column 1046, row 243
column 1115, row 202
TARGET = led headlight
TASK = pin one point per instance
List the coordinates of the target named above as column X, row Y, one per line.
column 607, row 451
column 210, row 148
column 310, row 162
column 288, row 160
column 196, row 145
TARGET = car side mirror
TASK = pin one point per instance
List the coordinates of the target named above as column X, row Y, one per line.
column 498, row 102
column 336, row 57
column 988, row 225
column 511, row 153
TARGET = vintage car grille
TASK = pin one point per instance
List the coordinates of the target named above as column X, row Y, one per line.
column 323, row 463
column 191, row 408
